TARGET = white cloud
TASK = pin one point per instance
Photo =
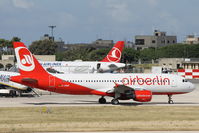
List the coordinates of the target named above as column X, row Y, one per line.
column 153, row 2
column 25, row 4
column 118, row 10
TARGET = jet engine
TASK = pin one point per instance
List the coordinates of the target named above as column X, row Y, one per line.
column 142, row 95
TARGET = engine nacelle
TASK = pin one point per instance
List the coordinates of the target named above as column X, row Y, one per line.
column 142, row 95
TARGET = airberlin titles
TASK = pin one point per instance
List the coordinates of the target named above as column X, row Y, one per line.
column 136, row 80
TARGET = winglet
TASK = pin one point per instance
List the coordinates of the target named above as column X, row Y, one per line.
column 115, row 53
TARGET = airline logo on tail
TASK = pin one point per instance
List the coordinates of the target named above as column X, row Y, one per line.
column 115, row 55
column 26, row 62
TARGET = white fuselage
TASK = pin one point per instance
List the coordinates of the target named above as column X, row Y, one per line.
column 82, row 66
column 157, row 83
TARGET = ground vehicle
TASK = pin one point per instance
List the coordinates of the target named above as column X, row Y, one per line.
column 8, row 92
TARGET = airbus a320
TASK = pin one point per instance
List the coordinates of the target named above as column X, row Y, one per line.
column 139, row 87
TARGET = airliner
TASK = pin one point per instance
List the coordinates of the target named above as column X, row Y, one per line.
column 5, row 83
column 139, row 87
column 109, row 64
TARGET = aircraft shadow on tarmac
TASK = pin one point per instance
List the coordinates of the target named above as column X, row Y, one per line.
column 137, row 104
column 54, row 103
column 87, row 102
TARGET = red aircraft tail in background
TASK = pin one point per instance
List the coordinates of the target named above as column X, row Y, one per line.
column 115, row 53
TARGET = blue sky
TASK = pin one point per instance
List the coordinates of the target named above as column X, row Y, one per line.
column 86, row 20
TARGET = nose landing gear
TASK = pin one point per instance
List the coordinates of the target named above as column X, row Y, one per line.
column 170, row 101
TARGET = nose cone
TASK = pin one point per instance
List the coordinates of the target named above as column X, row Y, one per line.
column 191, row 86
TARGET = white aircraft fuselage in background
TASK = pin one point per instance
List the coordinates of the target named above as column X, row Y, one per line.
column 5, row 81
column 110, row 63
column 82, row 66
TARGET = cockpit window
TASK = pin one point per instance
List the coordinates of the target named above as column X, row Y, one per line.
column 184, row 80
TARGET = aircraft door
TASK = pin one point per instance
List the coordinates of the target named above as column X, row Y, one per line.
column 51, row 81
column 98, row 66
column 99, row 70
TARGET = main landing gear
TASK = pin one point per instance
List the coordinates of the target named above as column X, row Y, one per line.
column 115, row 101
column 102, row 100
column 170, row 101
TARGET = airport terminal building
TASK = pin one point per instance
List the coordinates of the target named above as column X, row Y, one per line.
column 159, row 39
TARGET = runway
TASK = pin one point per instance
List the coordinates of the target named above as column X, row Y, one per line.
column 189, row 99
column 59, row 113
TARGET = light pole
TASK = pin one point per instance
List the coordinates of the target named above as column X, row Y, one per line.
column 52, row 27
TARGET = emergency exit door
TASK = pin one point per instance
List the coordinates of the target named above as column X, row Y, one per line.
column 51, row 81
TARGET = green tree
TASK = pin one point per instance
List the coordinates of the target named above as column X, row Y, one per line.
column 148, row 54
column 193, row 51
column 172, row 51
column 8, row 43
column 130, row 55
column 59, row 56
column 98, row 54
column 4, row 43
column 15, row 39
column 76, row 54
column 43, row 47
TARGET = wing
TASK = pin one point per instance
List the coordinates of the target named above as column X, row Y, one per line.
column 120, row 89
column 125, row 92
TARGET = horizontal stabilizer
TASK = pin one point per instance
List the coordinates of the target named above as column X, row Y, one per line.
column 30, row 80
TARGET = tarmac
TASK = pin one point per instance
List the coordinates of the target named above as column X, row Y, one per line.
column 189, row 99
column 136, row 132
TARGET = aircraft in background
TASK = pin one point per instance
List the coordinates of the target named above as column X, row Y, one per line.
column 5, row 83
column 109, row 64
column 139, row 87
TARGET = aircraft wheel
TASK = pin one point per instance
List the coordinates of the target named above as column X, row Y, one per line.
column 115, row 101
column 170, row 102
column 170, row 99
column 102, row 100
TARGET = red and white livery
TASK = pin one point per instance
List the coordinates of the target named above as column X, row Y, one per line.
column 139, row 87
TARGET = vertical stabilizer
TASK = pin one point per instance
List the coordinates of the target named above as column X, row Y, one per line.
column 115, row 53
column 27, row 63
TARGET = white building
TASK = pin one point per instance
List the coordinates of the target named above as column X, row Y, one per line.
column 191, row 39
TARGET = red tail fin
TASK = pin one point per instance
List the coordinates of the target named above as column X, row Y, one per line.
column 27, row 63
column 115, row 53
